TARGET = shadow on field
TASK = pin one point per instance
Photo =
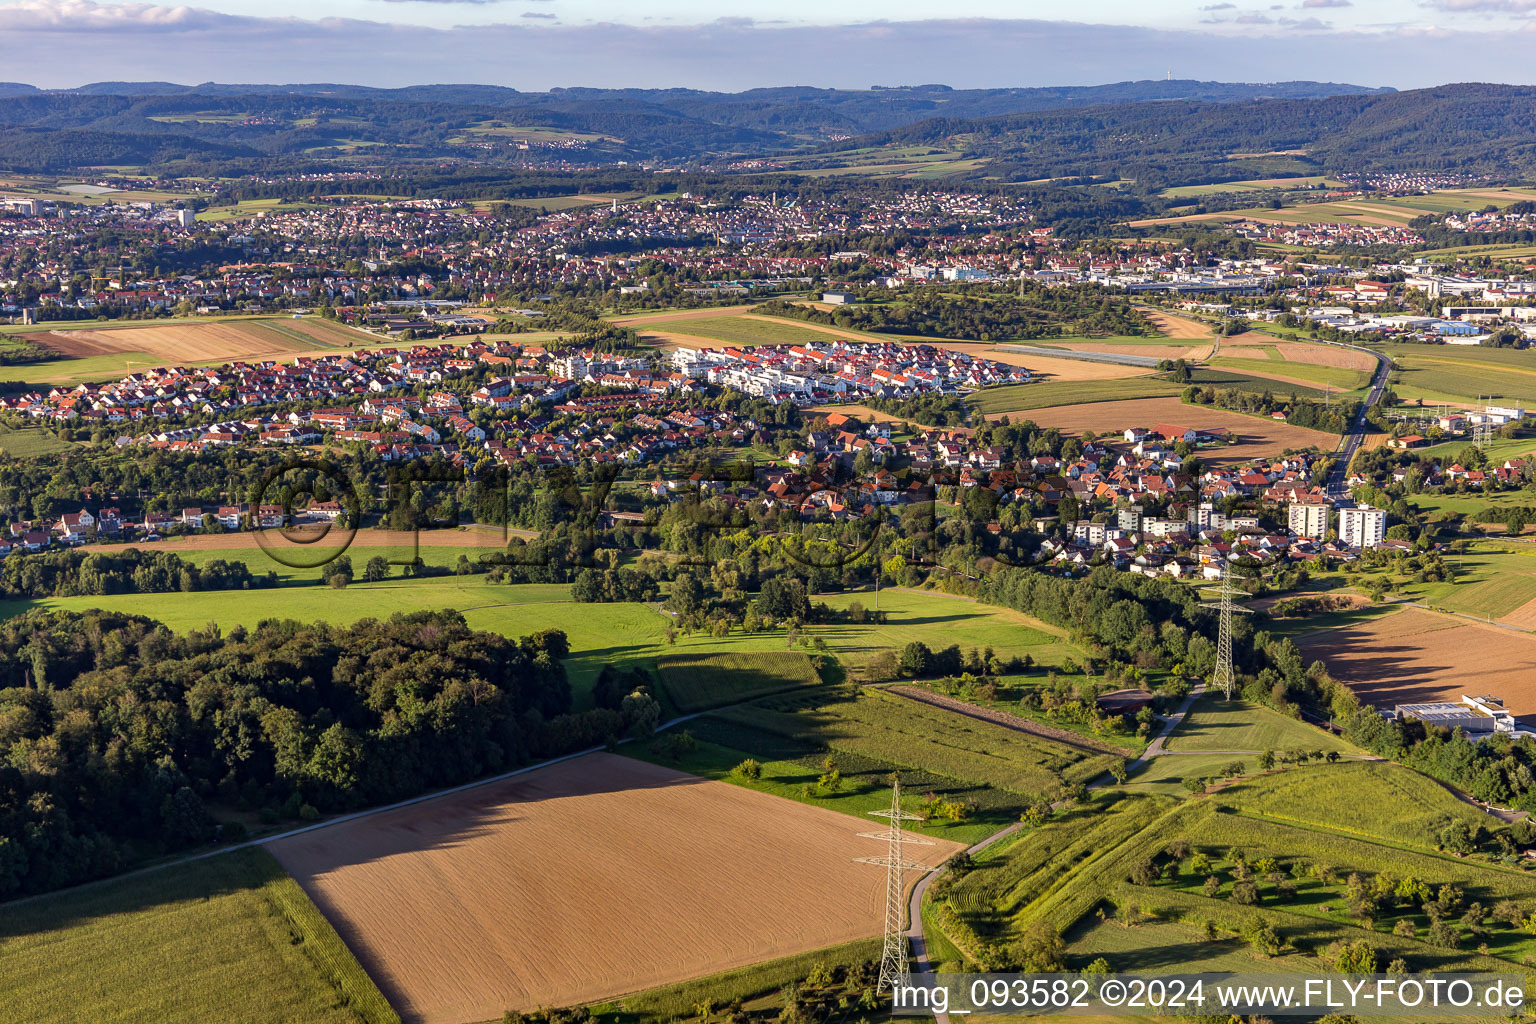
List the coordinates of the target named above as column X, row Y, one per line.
column 197, row 881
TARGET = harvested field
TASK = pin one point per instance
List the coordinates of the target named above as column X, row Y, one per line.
column 1325, row 355
column 1154, row 351
column 1412, row 656
column 1257, row 437
column 1180, row 326
column 181, row 343
column 583, row 881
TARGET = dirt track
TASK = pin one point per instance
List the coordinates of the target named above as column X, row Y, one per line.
column 584, row 881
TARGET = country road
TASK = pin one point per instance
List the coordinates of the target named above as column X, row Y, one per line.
column 1337, row 489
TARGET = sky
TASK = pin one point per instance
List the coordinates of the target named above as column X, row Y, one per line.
column 540, row 44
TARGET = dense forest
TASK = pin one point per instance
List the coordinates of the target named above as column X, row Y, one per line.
column 127, row 571
column 984, row 314
column 120, row 740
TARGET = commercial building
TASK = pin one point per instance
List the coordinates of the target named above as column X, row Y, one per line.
column 1476, row 715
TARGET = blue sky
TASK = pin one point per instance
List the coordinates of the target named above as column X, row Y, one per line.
column 539, row 44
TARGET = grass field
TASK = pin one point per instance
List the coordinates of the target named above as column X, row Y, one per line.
column 868, row 733
column 599, row 633
column 229, row 938
column 739, row 330
column 699, row 681
column 754, row 986
column 31, row 442
column 1215, row 724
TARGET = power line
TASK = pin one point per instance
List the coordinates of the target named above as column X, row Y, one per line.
column 1223, row 676
column 894, row 970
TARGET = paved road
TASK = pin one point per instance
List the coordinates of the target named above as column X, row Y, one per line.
column 1337, row 489
column 915, row 936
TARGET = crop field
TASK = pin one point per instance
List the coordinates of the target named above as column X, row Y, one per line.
column 698, row 681
column 1258, row 437
column 228, row 938
column 743, row 329
column 1215, row 724
column 170, row 343
column 583, row 881
column 992, row 771
column 1412, row 656
column 1461, row 375
column 1340, row 379
column 1012, row 400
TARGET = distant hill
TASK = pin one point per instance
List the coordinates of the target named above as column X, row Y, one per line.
column 1471, row 128
column 471, row 120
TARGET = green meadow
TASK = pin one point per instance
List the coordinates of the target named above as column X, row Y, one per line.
column 226, row 938
column 599, row 633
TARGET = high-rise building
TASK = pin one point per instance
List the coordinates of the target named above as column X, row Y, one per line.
column 1362, row 527
column 1309, row 516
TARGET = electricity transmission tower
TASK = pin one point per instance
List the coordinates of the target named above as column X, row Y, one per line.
column 893, row 957
column 1223, row 676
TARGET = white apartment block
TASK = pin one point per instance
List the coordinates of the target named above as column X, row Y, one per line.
column 1309, row 519
column 1362, row 527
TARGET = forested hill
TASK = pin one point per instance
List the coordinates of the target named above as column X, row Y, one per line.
column 158, row 122
column 1471, row 128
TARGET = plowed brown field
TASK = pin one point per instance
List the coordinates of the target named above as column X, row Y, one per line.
column 1413, row 656
column 176, row 343
column 584, row 881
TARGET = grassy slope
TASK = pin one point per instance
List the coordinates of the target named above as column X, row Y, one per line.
column 1353, row 816
column 698, row 681
column 230, row 938
column 1218, row 725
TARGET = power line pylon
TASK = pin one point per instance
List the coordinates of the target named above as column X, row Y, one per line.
column 894, row 971
column 1223, row 676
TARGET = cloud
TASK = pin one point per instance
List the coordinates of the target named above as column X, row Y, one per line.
column 57, row 43
column 1306, row 24
column 475, row 2
column 87, row 16
column 541, row 14
column 1326, row 3
column 1253, row 18
column 1219, row 7
column 1494, row 6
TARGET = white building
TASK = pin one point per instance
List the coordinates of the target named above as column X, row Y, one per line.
column 1309, row 518
column 1362, row 527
